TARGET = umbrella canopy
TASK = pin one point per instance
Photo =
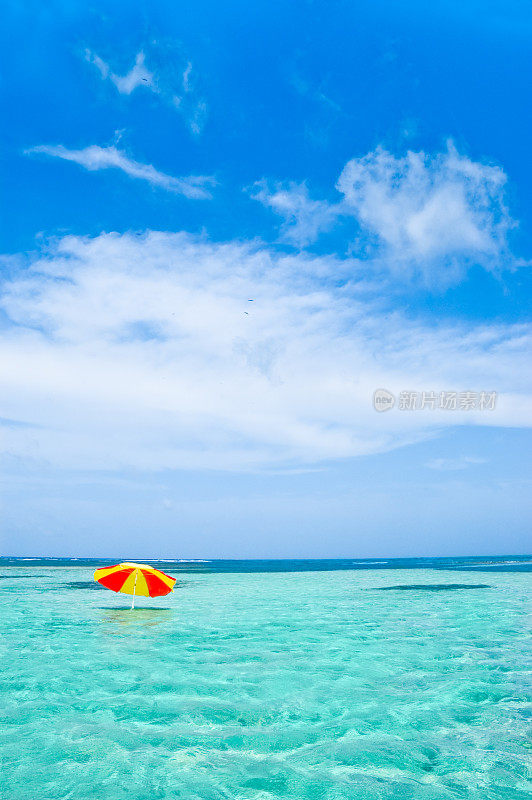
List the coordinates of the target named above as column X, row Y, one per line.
column 135, row 579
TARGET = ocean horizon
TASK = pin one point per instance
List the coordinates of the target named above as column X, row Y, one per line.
column 507, row 563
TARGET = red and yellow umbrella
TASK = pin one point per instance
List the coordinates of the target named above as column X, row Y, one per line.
column 135, row 579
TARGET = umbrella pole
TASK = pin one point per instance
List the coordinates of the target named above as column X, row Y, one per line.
column 134, row 587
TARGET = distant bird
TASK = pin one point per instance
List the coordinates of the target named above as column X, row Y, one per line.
column 145, row 80
column 246, row 312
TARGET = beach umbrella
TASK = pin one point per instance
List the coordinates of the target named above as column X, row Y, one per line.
column 135, row 579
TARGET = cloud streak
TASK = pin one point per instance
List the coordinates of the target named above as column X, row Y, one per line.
column 454, row 464
column 95, row 158
column 137, row 351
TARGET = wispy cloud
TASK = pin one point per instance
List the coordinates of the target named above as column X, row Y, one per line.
column 138, row 75
column 196, row 116
column 305, row 219
column 192, row 107
column 176, row 88
column 432, row 216
column 454, row 464
column 314, row 92
column 95, row 157
column 150, row 341
column 187, row 86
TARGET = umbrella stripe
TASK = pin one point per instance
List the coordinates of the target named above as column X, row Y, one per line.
column 103, row 571
column 115, row 580
column 157, row 586
column 136, row 584
column 166, row 579
column 142, row 583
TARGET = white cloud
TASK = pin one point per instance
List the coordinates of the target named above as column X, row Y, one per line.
column 305, row 219
column 95, row 157
column 432, row 214
column 138, row 75
column 454, row 464
column 137, row 351
column 427, row 215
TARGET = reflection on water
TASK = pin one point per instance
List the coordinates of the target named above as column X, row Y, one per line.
column 133, row 619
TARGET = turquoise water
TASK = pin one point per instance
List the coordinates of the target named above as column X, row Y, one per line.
column 266, row 685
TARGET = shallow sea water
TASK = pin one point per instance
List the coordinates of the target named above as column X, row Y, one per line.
column 267, row 685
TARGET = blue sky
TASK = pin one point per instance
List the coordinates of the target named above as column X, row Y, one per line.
column 224, row 226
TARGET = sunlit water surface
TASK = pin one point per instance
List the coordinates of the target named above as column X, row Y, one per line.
column 262, row 686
